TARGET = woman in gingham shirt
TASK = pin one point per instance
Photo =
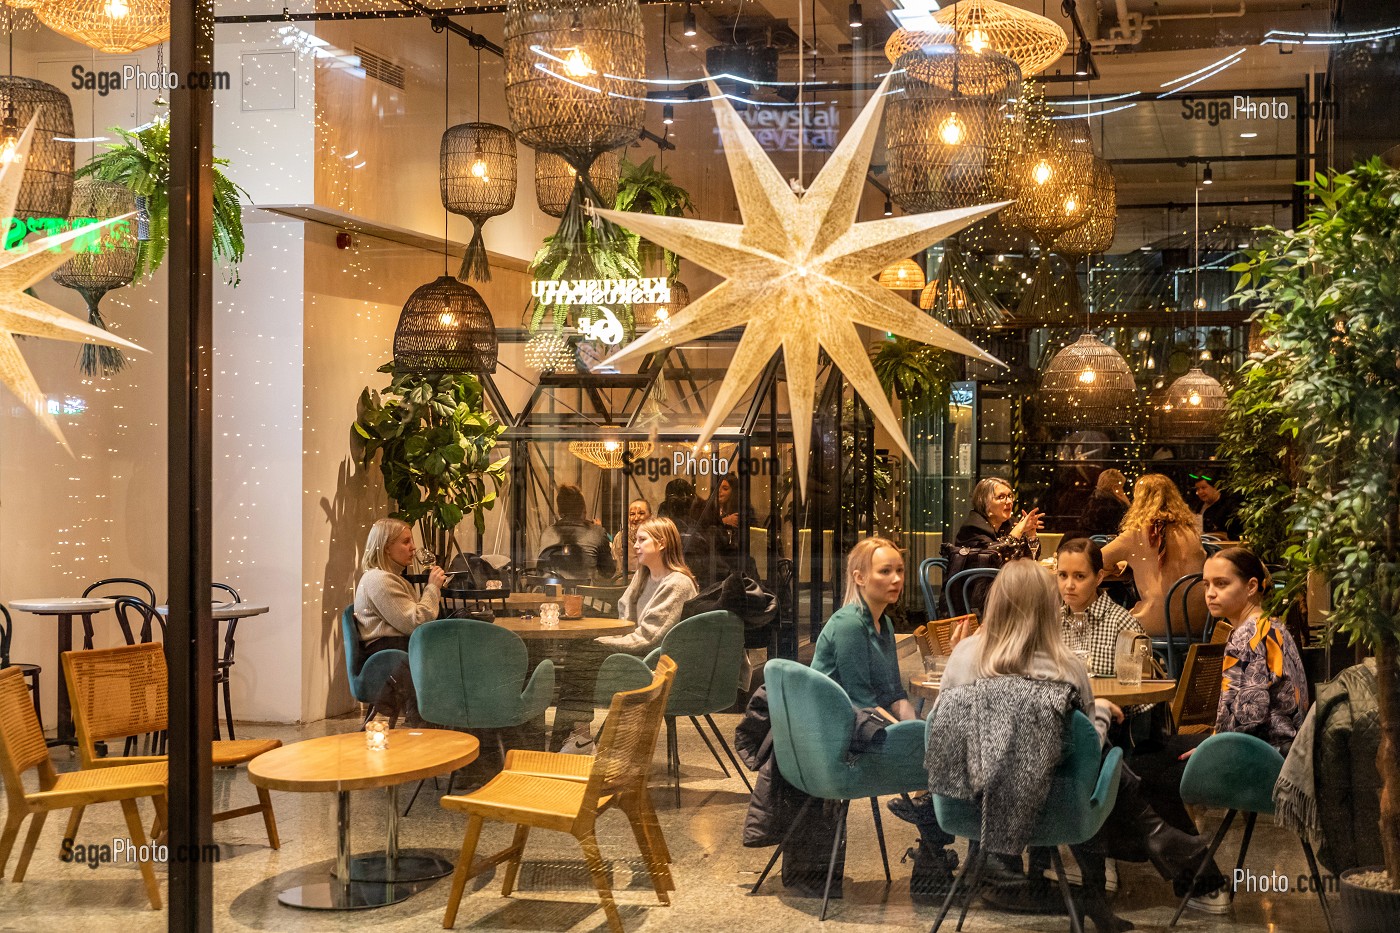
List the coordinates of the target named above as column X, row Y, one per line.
column 1079, row 571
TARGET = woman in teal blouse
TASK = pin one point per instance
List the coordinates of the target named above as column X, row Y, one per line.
column 856, row 647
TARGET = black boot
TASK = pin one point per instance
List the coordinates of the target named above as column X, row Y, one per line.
column 1094, row 897
column 932, row 875
column 1134, row 832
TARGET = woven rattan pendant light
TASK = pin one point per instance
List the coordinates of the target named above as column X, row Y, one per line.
column 905, row 275
column 555, row 179
column 1088, row 383
column 112, row 26
column 607, row 455
column 957, row 296
column 109, row 262
column 943, row 142
column 573, row 84
column 47, row 189
column 1032, row 41
column 476, row 174
column 1196, row 403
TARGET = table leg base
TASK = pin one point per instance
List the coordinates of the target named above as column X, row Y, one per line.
column 413, row 865
column 357, row 895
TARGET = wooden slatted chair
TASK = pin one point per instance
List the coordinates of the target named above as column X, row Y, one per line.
column 942, row 631
column 1197, row 697
column 22, row 748
column 617, row 776
column 1220, row 634
column 118, row 692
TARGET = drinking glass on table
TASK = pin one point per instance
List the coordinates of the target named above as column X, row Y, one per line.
column 934, row 666
column 1078, row 636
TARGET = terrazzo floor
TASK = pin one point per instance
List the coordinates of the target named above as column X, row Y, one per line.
column 711, row 870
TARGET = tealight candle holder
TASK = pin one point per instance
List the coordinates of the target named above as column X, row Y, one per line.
column 376, row 736
column 549, row 615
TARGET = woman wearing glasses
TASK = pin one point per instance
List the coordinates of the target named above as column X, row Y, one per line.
column 989, row 537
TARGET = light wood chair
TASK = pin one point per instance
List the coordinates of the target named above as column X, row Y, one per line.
column 565, row 800
column 1220, row 634
column 940, row 633
column 119, row 692
column 1197, row 700
column 22, row 747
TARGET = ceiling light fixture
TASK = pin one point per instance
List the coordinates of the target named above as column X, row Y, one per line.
column 889, row 208
column 855, row 17
column 1248, row 135
column 668, row 114
column 689, row 22
column 1081, row 60
column 1208, row 176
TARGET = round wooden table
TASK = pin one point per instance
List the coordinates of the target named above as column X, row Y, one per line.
column 923, row 688
column 342, row 763
column 64, row 609
column 1149, row 691
column 587, row 627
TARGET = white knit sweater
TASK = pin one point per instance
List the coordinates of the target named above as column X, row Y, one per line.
column 654, row 605
column 386, row 605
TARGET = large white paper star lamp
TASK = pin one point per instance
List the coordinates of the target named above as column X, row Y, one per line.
column 24, row 314
column 799, row 272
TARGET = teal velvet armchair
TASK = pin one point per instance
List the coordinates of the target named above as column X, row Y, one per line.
column 369, row 675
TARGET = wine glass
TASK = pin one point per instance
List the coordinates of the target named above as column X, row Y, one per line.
column 425, row 558
column 1078, row 637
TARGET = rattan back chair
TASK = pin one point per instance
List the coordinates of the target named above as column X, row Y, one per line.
column 120, row 692
column 22, row 748
column 617, row 776
column 1197, row 700
column 941, row 632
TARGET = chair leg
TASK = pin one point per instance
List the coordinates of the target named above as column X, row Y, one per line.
column 269, row 818
column 1317, row 883
column 158, row 824
column 1075, row 923
column 33, row 677
column 138, row 837
column 1244, row 846
column 969, row 871
column 835, row 848
column 70, row 835
column 228, row 705
column 708, row 744
column 13, row 819
column 462, row 872
column 1205, row 860
column 517, row 851
column 797, row 821
column 673, row 749
column 36, row 825
column 648, row 814
column 880, row 835
column 733, row 759
column 970, row 894
column 645, row 835
column 599, row 870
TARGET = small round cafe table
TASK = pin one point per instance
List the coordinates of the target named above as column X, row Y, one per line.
column 1149, row 691
column 342, row 763
column 923, row 688
column 64, row 609
column 586, row 627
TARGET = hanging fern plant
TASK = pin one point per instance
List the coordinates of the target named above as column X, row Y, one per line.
column 141, row 162
column 594, row 257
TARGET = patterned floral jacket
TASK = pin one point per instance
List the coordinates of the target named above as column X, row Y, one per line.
column 1265, row 692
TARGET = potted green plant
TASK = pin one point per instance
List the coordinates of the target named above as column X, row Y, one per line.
column 646, row 189
column 1326, row 297
column 919, row 375
column 141, row 162
column 434, row 439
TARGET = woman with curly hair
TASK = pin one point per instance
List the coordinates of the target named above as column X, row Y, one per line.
column 1159, row 541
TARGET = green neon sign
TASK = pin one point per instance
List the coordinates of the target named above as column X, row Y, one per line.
column 48, row 226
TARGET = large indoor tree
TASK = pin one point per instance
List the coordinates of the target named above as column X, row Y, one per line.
column 1325, row 298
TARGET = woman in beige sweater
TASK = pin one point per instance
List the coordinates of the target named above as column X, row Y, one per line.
column 387, row 610
column 1158, row 540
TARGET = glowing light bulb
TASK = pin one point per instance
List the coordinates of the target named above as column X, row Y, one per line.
column 662, row 315
column 1144, row 336
column 1042, row 172
column 1071, row 205
column 1167, row 406
column 577, row 64
column 951, row 130
column 1199, row 304
column 1087, row 375
column 1194, row 398
column 447, row 319
column 977, row 41
column 1151, row 364
column 116, row 9
column 8, row 145
column 481, row 170
column 1206, row 356
column 610, row 446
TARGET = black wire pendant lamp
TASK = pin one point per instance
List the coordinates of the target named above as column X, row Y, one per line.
column 107, row 263
column 476, row 176
column 445, row 326
column 47, row 188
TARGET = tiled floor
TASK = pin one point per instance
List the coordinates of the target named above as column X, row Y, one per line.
column 712, row 871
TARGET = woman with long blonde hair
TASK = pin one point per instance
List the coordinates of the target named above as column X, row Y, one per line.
column 1159, row 541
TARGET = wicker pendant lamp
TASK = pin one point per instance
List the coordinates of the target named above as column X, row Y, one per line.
column 957, row 296
column 1197, row 406
column 1096, row 234
column 903, row 275
column 476, row 166
column 573, row 85
column 1051, row 178
column 555, row 179
column 476, row 177
column 109, row 262
column 943, row 142
column 112, row 26
column 1088, row 383
column 445, row 327
column 47, row 188
column 1032, row 41
column 607, row 455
